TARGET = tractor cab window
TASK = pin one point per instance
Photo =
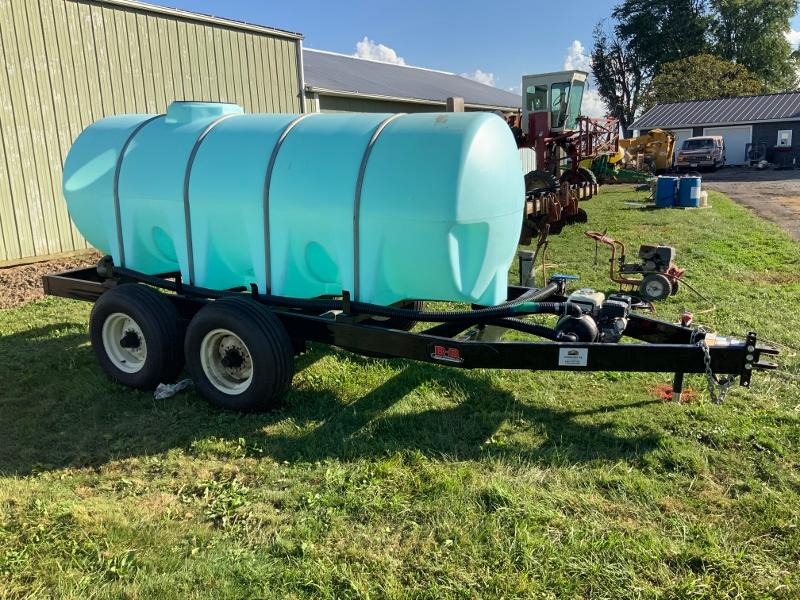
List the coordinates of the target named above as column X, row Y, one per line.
column 575, row 101
column 536, row 98
column 559, row 102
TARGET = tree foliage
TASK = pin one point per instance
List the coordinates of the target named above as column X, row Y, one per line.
column 663, row 31
column 619, row 74
column 751, row 33
column 648, row 38
column 700, row 77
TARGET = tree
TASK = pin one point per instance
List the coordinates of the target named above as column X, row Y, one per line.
column 620, row 75
column 663, row 31
column 751, row 33
column 700, row 77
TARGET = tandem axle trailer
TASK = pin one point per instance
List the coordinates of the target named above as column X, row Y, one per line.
column 239, row 345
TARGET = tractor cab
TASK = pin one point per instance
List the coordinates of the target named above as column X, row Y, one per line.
column 552, row 102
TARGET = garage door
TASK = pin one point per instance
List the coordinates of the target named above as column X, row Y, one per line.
column 681, row 135
column 736, row 140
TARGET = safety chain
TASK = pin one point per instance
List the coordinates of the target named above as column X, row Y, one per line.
column 717, row 388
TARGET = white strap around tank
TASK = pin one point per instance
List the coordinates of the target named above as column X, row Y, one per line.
column 117, row 171
column 357, row 202
column 187, row 215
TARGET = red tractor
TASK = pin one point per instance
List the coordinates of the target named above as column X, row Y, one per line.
column 551, row 127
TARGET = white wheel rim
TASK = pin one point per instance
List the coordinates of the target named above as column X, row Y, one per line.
column 124, row 343
column 226, row 361
column 654, row 288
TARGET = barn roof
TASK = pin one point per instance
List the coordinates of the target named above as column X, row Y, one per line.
column 339, row 73
column 722, row 111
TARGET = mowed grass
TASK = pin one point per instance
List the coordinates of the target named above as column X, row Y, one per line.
column 393, row 479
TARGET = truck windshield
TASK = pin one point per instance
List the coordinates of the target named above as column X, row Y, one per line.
column 575, row 101
column 559, row 100
column 698, row 145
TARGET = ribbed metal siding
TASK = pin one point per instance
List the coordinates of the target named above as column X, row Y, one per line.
column 67, row 63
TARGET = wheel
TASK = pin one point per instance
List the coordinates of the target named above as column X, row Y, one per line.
column 136, row 335
column 404, row 324
column 655, row 286
column 239, row 355
column 541, row 180
column 582, row 175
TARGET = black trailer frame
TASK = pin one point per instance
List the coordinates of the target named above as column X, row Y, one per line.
column 667, row 347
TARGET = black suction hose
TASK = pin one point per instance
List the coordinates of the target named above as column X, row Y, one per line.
column 534, row 329
column 525, row 304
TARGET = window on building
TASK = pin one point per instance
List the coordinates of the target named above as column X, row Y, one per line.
column 785, row 138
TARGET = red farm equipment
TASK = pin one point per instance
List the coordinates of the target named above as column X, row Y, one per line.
column 551, row 126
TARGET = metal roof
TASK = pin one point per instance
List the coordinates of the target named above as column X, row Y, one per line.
column 348, row 75
column 199, row 17
column 723, row 111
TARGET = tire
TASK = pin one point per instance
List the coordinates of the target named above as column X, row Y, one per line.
column 239, row 355
column 541, row 180
column 582, row 175
column 676, row 285
column 136, row 336
column 400, row 323
column 655, row 286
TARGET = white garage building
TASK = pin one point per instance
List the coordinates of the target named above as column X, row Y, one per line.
column 767, row 125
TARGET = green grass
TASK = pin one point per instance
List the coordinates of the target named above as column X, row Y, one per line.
column 394, row 479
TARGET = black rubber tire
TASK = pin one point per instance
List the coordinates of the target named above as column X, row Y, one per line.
column 582, row 175
column 665, row 287
column 398, row 322
column 159, row 323
column 271, row 351
column 676, row 286
column 541, row 180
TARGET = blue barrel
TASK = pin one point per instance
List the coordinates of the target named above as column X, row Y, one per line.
column 423, row 206
column 666, row 191
column 689, row 195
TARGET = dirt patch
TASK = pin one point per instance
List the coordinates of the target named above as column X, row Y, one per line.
column 776, row 278
column 22, row 284
column 664, row 392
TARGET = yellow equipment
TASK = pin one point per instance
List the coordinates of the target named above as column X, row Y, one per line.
column 651, row 151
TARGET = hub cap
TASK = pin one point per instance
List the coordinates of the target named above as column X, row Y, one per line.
column 654, row 288
column 124, row 343
column 226, row 361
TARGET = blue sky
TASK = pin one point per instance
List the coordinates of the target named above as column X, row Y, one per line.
column 494, row 45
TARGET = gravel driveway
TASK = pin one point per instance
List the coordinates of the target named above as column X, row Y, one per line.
column 773, row 195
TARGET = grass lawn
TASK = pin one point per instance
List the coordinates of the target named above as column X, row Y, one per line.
column 394, row 479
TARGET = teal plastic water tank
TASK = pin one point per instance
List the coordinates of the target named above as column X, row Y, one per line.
column 388, row 207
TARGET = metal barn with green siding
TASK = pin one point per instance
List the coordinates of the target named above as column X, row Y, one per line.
column 67, row 63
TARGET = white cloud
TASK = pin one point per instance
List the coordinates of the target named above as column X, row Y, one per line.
column 480, row 77
column 515, row 89
column 368, row 48
column 576, row 58
column 593, row 105
column 793, row 37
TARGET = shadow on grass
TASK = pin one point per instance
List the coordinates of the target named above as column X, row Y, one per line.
column 58, row 410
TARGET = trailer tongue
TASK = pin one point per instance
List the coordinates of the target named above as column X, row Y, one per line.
column 250, row 362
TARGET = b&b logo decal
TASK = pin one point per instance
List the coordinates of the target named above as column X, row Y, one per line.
column 447, row 354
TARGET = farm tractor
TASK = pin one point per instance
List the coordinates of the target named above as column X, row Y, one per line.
column 550, row 124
